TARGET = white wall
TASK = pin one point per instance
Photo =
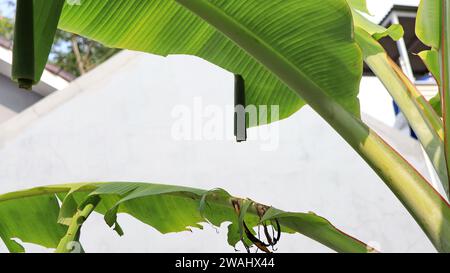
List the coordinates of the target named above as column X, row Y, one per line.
column 14, row 100
column 119, row 129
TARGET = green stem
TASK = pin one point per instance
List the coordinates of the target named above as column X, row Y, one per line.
column 424, row 106
column 72, row 237
column 445, row 77
column 425, row 123
column 427, row 207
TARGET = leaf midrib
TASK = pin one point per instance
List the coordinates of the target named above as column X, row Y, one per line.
column 258, row 40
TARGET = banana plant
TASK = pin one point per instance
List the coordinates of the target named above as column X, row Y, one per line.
column 164, row 207
column 289, row 53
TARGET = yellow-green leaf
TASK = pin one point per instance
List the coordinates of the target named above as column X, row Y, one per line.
column 317, row 36
column 428, row 22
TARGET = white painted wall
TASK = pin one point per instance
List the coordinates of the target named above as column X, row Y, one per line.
column 117, row 127
column 14, row 100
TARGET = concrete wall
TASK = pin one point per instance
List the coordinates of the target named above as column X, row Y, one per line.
column 116, row 125
column 14, row 100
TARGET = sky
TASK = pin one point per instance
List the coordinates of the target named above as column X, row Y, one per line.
column 379, row 8
column 5, row 9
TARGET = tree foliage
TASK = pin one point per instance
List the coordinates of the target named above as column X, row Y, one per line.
column 72, row 53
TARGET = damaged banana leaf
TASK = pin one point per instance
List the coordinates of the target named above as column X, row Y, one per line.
column 35, row 215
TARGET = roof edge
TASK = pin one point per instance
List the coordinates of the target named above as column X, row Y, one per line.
column 396, row 8
column 53, row 69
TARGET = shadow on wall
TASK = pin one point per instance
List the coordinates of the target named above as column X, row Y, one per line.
column 14, row 100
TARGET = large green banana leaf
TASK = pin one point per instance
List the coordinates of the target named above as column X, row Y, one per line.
column 32, row 215
column 32, row 219
column 429, row 23
column 316, row 34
